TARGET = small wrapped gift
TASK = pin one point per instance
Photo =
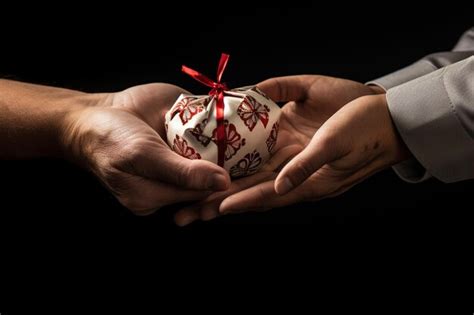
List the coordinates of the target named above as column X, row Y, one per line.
column 236, row 129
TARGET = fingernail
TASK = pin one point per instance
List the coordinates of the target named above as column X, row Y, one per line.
column 217, row 182
column 284, row 186
column 209, row 214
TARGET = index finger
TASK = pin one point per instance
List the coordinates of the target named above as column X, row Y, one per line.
column 261, row 197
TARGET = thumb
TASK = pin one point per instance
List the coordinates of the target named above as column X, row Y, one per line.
column 165, row 165
column 194, row 174
column 285, row 89
column 317, row 153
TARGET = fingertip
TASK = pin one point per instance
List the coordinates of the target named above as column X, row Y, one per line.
column 205, row 175
column 226, row 206
column 219, row 182
column 234, row 205
column 296, row 172
column 184, row 218
column 270, row 88
column 283, row 186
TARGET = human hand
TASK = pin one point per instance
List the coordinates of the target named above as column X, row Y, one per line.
column 121, row 138
column 312, row 101
column 356, row 142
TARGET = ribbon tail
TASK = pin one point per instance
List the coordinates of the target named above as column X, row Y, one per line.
column 198, row 76
column 222, row 65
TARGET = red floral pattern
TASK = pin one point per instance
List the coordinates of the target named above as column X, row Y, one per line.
column 249, row 165
column 234, row 140
column 272, row 139
column 251, row 111
column 188, row 107
column 181, row 147
column 178, row 107
column 197, row 133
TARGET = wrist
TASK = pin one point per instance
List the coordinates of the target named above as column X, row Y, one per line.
column 376, row 89
column 34, row 118
column 73, row 130
column 397, row 150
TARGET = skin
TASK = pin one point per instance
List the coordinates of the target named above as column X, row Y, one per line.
column 334, row 133
column 120, row 137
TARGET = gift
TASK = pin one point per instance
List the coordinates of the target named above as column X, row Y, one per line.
column 236, row 129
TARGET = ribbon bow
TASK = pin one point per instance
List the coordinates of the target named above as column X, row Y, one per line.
column 217, row 92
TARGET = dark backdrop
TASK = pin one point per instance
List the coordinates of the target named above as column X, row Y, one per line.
column 101, row 50
column 60, row 230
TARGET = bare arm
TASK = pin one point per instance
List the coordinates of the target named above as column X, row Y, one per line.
column 32, row 118
column 117, row 136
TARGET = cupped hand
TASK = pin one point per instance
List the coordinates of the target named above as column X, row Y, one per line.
column 353, row 144
column 121, row 138
column 312, row 100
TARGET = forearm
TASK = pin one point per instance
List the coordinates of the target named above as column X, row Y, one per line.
column 32, row 118
column 412, row 170
column 435, row 117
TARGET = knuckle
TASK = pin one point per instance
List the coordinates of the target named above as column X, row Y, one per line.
column 303, row 168
column 184, row 175
column 262, row 200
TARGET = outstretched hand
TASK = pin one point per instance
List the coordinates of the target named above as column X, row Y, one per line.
column 312, row 102
column 121, row 138
column 356, row 142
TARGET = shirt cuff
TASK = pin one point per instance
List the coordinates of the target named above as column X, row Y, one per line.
column 430, row 128
column 416, row 70
column 411, row 171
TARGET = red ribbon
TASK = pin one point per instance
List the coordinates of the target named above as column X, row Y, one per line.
column 217, row 92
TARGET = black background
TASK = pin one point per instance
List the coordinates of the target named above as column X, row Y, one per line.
column 51, row 209
column 109, row 51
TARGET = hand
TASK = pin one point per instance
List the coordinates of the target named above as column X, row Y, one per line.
column 121, row 138
column 356, row 142
column 312, row 100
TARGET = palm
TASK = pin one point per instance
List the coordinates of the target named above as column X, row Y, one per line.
column 356, row 142
column 323, row 96
column 128, row 120
column 123, row 141
column 313, row 100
